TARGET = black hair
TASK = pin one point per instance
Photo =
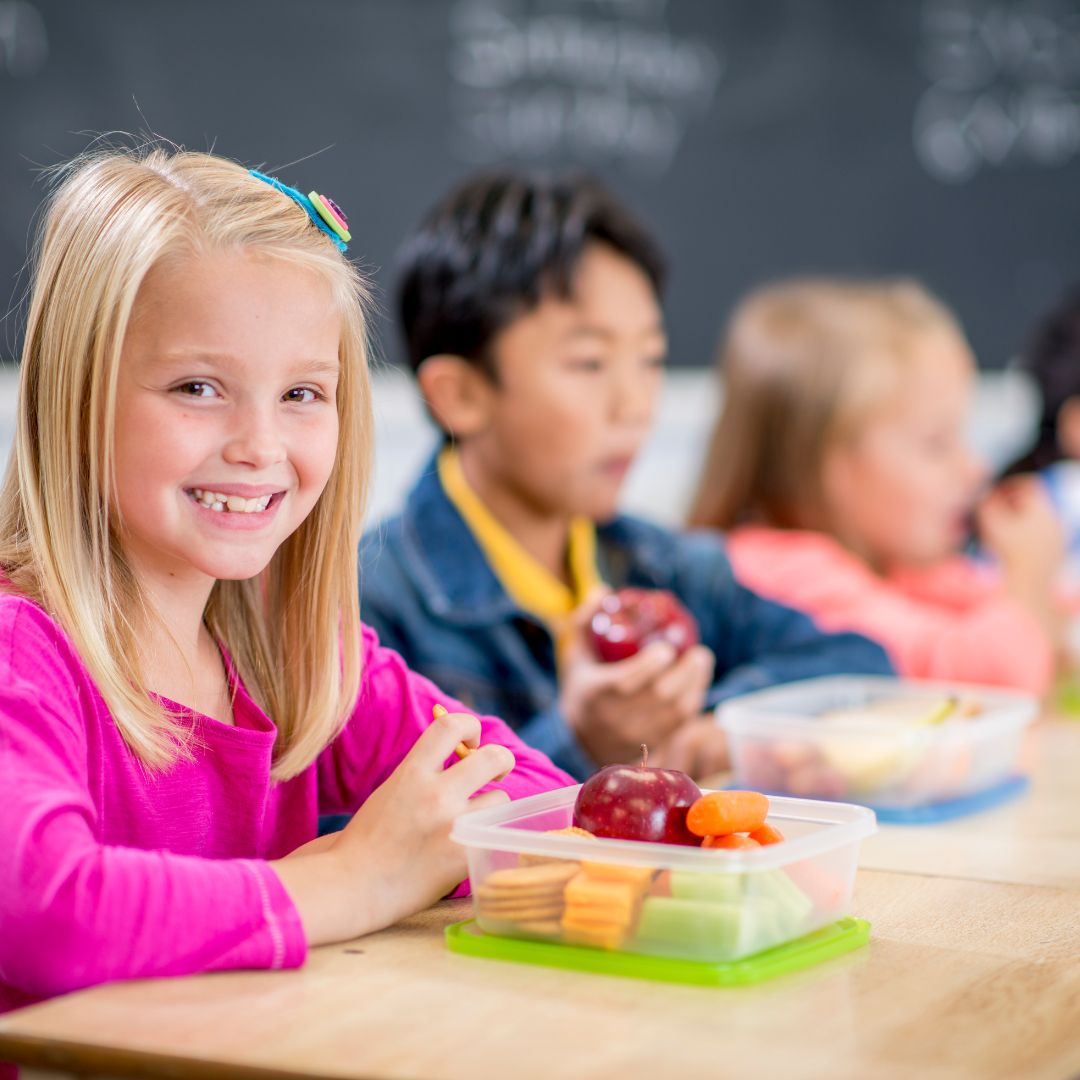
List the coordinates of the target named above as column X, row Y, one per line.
column 498, row 245
column 1053, row 361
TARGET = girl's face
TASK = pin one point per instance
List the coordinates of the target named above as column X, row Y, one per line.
column 900, row 491
column 226, row 421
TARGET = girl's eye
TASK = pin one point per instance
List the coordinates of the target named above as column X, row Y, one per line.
column 586, row 364
column 196, row 389
column 656, row 361
column 301, row 395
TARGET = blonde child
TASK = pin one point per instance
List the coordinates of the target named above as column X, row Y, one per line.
column 185, row 683
column 839, row 464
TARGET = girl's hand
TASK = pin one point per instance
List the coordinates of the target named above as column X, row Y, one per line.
column 1018, row 525
column 395, row 856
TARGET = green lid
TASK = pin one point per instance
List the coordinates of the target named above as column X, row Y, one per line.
column 833, row 940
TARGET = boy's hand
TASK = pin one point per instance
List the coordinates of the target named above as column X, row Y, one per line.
column 698, row 747
column 395, row 856
column 614, row 708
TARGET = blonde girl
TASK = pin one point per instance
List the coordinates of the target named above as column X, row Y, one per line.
column 185, row 684
column 840, row 468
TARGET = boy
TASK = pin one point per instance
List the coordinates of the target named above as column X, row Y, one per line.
column 531, row 314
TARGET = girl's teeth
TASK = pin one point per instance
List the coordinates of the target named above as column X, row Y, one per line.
column 236, row 504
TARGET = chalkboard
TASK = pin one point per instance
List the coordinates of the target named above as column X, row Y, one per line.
column 758, row 137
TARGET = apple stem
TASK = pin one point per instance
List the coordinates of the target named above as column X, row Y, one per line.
column 644, row 756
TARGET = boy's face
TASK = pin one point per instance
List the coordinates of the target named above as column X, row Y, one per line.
column 577, row 383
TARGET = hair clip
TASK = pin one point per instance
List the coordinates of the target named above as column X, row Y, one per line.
column 322, row 210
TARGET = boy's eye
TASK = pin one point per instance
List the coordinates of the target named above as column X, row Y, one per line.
column 656, row 361
column 586, row 363
column 196, row 389
column 301, row 395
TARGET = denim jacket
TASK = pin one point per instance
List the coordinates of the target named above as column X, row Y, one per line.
column 427, row 589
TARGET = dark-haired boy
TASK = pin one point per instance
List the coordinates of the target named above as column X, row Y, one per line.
column 530, row 309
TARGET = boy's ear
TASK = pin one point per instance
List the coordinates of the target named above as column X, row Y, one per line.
column 1068, row 428
column 459, row 395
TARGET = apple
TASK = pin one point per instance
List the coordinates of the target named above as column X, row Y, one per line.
column 628, row 620
column 635, row 802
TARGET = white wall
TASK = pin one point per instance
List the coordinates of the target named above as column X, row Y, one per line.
column 660, row 485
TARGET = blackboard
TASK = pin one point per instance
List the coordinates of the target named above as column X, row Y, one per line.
column 759, row 137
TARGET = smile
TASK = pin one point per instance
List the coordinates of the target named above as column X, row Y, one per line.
column 232, row 504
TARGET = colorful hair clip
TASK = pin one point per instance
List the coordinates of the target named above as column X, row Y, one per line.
column 322, row 210
column 332, row 214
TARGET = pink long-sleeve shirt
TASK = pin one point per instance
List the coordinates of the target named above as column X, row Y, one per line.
column 109, row 871
column 950, row 621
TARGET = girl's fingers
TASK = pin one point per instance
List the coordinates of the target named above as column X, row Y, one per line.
column 487, row 799
column 438, row 740
column 483, row 766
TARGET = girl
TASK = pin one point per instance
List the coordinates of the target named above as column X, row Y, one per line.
column 184, row 680
column 840, row 466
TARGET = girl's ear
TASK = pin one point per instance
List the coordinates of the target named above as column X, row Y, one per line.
column 459, row 395
column 1068, row 428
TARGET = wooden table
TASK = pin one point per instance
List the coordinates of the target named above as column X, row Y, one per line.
column 973, row 971
column 1033, row 840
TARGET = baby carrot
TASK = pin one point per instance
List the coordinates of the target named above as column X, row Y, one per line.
column 461, row 749
column 767, row 835
column 731, row 842
column 722, row 812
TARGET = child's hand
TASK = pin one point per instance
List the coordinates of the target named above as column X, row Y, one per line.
column 698, row 747
column 1018, row 525
column 395, row 856
column 614, row 708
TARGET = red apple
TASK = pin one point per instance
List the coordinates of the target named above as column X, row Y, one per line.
column 630, row 619
column 634, row 802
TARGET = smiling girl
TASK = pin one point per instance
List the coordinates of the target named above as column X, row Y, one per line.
column 839, row 464
column 185, row 684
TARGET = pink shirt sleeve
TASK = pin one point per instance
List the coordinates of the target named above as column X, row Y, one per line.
column 393, row 709
column 949, row 626
column 75, row 912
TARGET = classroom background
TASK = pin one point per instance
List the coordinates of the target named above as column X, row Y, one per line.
column 933, row 138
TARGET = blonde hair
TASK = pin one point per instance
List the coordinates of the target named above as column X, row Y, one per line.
column 804, row 363
column 293, row 631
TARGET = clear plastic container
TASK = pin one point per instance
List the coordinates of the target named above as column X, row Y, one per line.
column 908, row 750
column 660, row 899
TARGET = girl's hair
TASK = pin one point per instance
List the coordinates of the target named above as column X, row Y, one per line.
column 803, row 364
column 293, row 632
column 1053, row 361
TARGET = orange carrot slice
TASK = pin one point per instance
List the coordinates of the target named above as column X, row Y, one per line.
column 731, row 842
column 723, row 812
column 767, row 835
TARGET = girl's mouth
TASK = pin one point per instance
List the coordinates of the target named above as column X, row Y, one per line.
column 219, row 502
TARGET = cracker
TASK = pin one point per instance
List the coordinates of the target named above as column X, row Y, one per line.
column 531, row 877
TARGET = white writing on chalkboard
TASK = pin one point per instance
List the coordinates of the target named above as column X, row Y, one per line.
column 24, row 45
column 1005, row 86
column 590, row 80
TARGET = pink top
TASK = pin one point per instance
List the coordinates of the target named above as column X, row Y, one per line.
column 110, row 872
column 951, row 621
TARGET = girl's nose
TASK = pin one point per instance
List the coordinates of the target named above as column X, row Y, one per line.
column 255, row 439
